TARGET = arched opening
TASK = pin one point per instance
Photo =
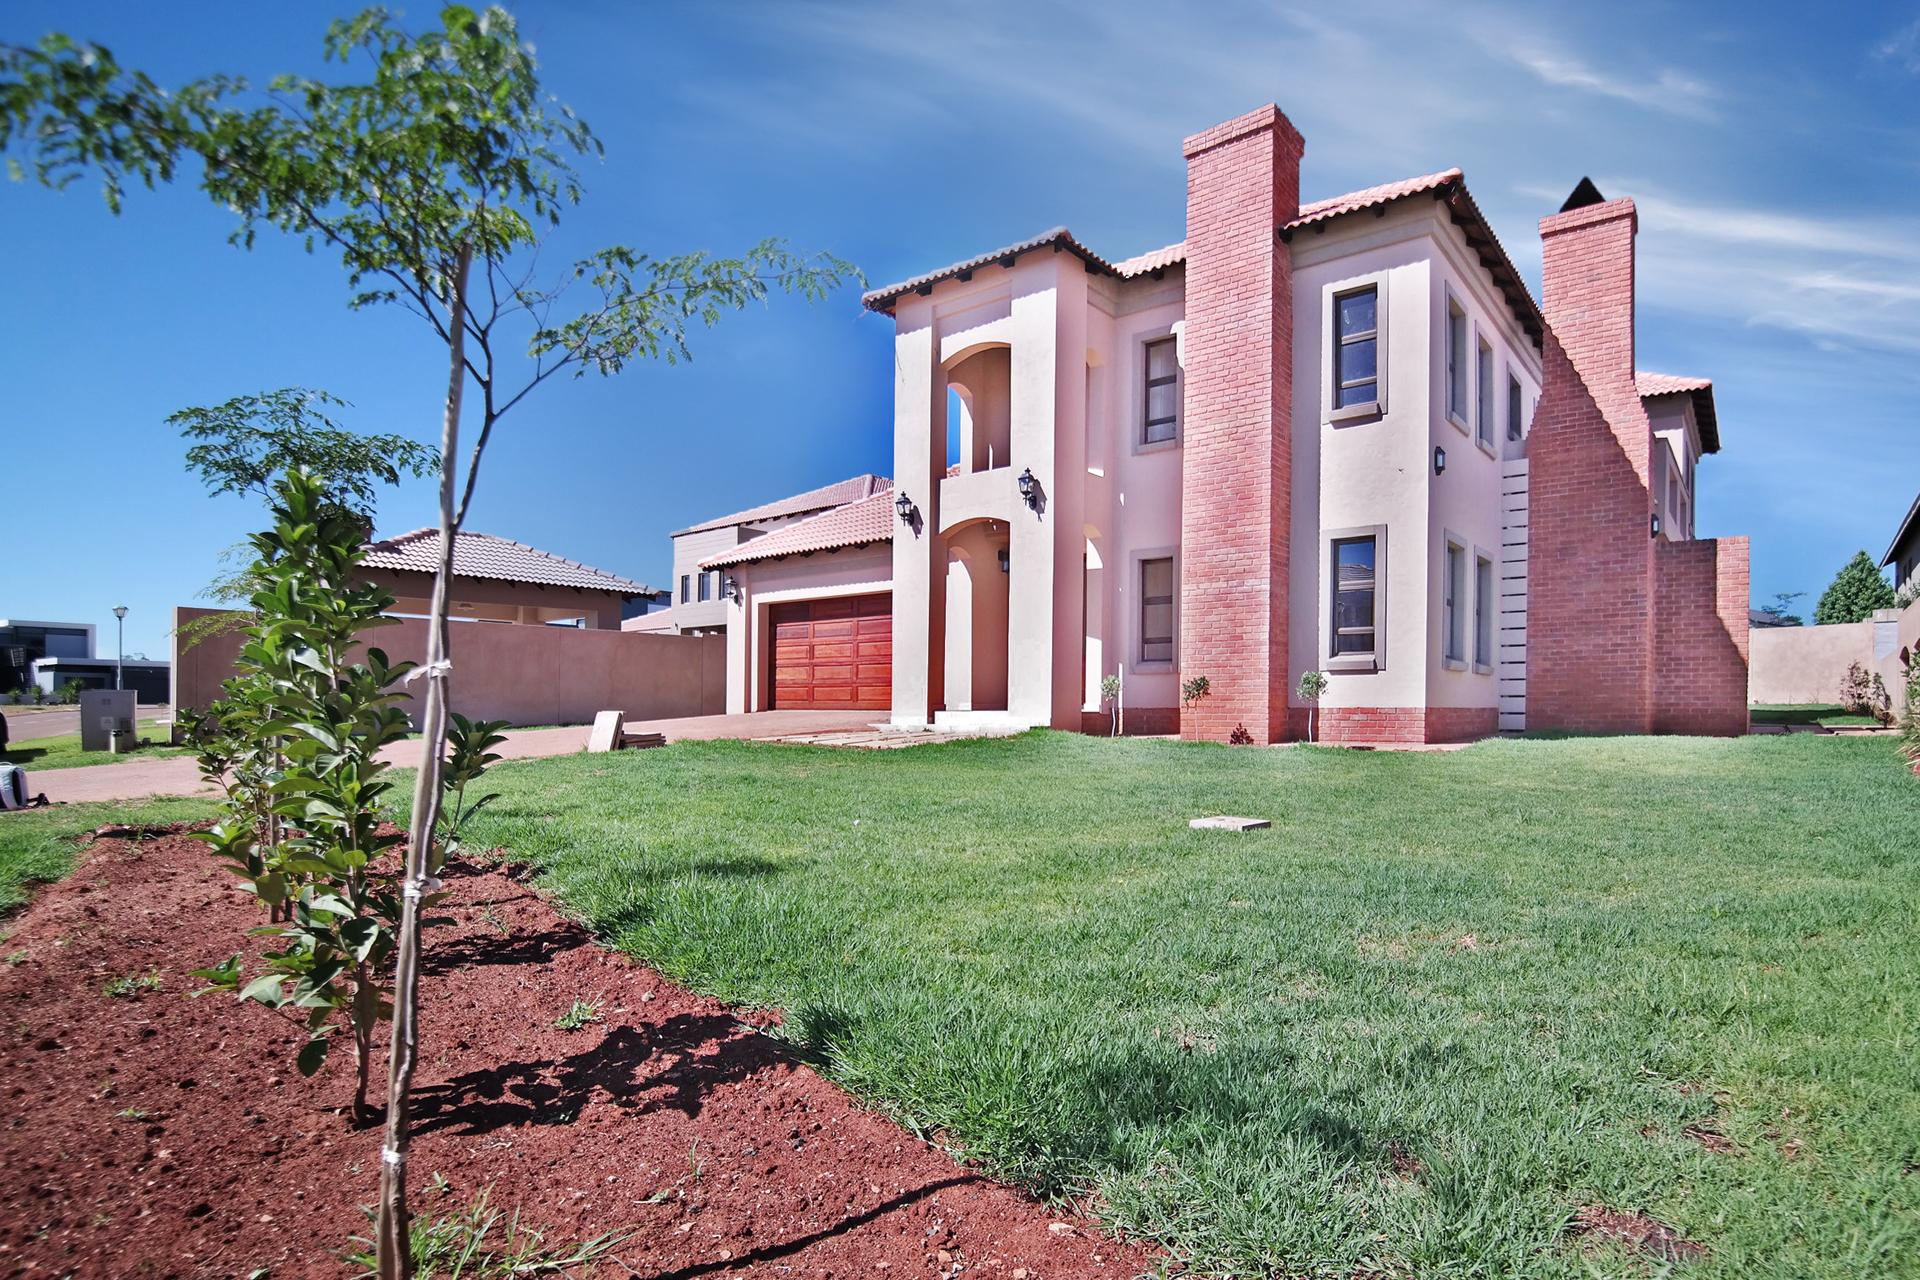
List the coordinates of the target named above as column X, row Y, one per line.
column 979, row 409
column 976, row 616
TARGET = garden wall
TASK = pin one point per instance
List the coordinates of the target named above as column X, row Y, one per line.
column 523, row 674
column 1806, row 664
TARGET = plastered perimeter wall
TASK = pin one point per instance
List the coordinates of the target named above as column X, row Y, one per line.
column 523, row 674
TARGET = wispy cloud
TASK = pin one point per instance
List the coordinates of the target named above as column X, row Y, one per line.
column 1660, row 89
column 1902, row 48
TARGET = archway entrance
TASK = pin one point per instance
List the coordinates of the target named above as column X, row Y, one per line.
column 976, row 622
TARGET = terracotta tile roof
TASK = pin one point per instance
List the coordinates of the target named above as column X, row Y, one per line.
column 1447, row 183
column 481, row 555
column 856, row 524
column 824, row 498
column 1701, row 389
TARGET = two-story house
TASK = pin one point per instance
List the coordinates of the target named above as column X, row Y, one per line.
column 1334, row 436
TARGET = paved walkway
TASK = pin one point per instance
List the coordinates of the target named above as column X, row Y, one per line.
column 178, row 775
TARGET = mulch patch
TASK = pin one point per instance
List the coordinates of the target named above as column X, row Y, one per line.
column 157, row 1135
column 1637, row 1231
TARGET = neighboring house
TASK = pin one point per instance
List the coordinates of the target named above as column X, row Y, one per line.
column 1763, row 618
column 1903, row 553
column 698, row 604
column 498, row 580
column 51, row 655
column 1337, row 436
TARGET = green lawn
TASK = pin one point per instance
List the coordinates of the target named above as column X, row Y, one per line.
column 1443, row 1003
column 1831, row 714
column 64, row 752
column 37, row 845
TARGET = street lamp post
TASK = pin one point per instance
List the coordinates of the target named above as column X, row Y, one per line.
column 120, row 655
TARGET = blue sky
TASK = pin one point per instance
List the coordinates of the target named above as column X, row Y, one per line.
column 1775, row 162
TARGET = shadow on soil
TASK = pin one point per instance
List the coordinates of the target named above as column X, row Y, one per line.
column 673, row 1065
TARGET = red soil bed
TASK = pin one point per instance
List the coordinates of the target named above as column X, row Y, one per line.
column 158, row 1135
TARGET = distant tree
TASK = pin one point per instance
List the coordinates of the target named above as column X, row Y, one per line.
column 432, row 168
column 1779, row 609
column 1855, row 592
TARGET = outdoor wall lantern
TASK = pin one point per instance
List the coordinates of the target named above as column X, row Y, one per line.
column 731, row 585
column 1003, row 560
column 1653, row 525
column 904, row 505
column 1439, row 461
column 1029, row 490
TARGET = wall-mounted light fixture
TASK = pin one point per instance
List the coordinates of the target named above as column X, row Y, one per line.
column 904, row 505
column 1003, row 561
column 1653, row 525
column 1029, row 490
column 1439, row 461
column 731, row 585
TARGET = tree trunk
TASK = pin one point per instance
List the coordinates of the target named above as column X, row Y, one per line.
column 394, row 1250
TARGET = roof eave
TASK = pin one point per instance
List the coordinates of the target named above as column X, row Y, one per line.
column 1058, row 240
column 1906, row 527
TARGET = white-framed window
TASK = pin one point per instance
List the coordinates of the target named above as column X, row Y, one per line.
column 1483, row 392
column 1160, row 390
column 706, row 585
column 1356, row 575
column 1457, row 367
column 1453, row 605
column 686, row 588
column 1516, row 423
column 1356, row 349
column 1156, row 609
column 1485, row 604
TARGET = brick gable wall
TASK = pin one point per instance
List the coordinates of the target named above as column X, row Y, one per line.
column 1243, row 182
column 1590, row 590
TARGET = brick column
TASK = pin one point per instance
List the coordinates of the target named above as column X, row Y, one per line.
column 1243, row 184
column 1590, row 605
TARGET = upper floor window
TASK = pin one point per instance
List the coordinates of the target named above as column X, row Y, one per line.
column 1456, row 363
column 706, row 586
column 1483, row 394
column 1515, row 427
column 686, row 588
column 1356, row 348
column 1160, row 406
column 1355, row 598
column 1156, row 609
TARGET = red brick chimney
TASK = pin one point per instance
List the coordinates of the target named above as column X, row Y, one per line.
column 1590, row 590
column 1243, row 185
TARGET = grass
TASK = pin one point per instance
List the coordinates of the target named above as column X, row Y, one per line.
column 40, row 845
column 1444, row 1003
column 63, row 752
column 1831, row 714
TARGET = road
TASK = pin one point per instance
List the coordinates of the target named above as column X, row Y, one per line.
column 56, row 722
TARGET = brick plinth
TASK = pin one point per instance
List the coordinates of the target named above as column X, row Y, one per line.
column 1700, row 676
column 1397, row 724
column 1590, row 618
column 1243, row 182
column 1141, row 722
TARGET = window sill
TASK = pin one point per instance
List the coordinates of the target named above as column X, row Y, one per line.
column 1453, row 664
column 1460, row 423
column 1150, row 668
column 1482, row 669
column 1156, row 446
column 1352, row 663
column 1354, row 412
column 1486, row 446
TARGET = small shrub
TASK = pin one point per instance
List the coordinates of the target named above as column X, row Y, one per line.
column 1192, row 690
column 1856, row 691
column 1910, row 716
column 1240, row 737
column 579, row 1014
column 1110, row 694
column 1879, row 701
column 130, row 986
column 1313, row 684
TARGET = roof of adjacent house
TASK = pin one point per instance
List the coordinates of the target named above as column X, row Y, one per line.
column 1650, row 385
column 824, row 498
column 856, row 524
column 481, row 555
column 1447, row 184
column 1906, row 527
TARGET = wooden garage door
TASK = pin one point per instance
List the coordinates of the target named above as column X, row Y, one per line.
column 833, row 654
